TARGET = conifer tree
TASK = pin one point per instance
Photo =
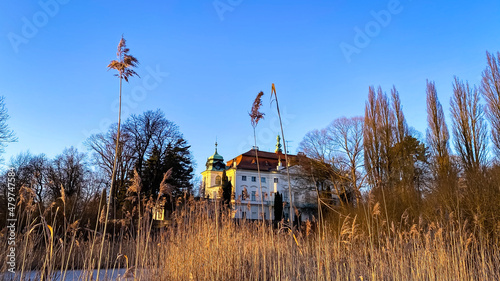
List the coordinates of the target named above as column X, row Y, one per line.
column 227, row 189
column 278, row 207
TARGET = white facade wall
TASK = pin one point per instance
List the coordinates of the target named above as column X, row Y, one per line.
column 252, row 209
column 303, row 191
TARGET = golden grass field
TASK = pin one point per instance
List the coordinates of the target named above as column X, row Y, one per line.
column 204, row 244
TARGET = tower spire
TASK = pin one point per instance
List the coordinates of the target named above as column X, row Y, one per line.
column 278, row 145
column 216, row 161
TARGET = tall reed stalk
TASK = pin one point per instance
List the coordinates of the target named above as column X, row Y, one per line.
column 124, row 66
column 255, row 117
column 273, row 92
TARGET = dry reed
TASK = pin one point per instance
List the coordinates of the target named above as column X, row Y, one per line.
column 203, row 242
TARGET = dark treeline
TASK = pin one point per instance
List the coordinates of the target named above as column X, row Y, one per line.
column 73, row 184
column 380, row 162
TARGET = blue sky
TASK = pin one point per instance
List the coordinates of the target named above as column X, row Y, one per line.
column 203, row 62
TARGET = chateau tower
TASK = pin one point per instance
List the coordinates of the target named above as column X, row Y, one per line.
column 212, row 176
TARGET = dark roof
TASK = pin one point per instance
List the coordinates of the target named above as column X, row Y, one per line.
column 267, row 160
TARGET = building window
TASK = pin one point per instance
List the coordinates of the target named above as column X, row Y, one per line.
column 244, row 178
column 254, row 215
column 217, row 180
column 244, row 194
column 263, row 179
column 253, row 196
column 254, row 179
column 275, row 180
column 285, row 197
column 243, row 215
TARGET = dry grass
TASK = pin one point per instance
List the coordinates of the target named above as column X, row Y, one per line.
column 203, row 243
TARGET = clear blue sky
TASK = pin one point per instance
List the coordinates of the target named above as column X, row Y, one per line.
column 58, row 89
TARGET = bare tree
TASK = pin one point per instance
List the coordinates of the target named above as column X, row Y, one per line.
column 318, row 163
column 444, row 189
column 490, row 88
column 379, row 138
column 401, row 131
column 67, row 170
column 148, row 130
column 31, row 170
column 317, row 145
column 404, row 166
column 346, row 135
column 103, row 147
column 395, row 160
column 371, row 140
column 6, row 134
column 469, row 128
column 335, row 155
column 437, row 132
column 385, row 124
column 476, row 188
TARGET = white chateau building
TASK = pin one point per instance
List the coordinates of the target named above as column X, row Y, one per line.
column 244, row 177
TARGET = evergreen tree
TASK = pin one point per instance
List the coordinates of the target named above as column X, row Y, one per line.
column 178, row 157
column 227, row 189
column 278, row 207
column 152, row 173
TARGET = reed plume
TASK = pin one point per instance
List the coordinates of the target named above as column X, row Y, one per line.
column 255, row 114
column 135, row 187
column 166, row 188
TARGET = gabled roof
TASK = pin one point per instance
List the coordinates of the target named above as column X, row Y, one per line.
column 267, row 160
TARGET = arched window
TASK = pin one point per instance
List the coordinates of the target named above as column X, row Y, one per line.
column 217, row 180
